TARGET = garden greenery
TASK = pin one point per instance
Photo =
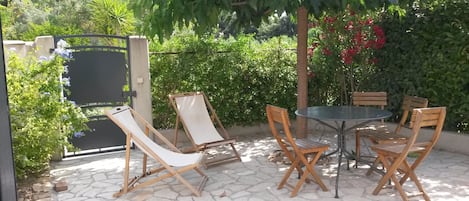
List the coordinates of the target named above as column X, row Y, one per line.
column 343, row 48
column 41, row 120
column 422, row 53
column 239, row 76
column 426, row 54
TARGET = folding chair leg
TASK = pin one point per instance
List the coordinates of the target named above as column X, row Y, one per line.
column 310, row 169
column 386, row 177
column 288, row 173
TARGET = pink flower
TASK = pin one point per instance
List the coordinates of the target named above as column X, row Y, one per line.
column 326, row 51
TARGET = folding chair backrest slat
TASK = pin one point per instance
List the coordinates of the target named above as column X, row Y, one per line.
column 370, row 99
column 408, row 104
column 193, row 112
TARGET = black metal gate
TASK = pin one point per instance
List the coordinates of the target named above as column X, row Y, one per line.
column 99, row 75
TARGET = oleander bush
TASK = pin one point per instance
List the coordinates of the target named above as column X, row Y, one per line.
column 41, row 120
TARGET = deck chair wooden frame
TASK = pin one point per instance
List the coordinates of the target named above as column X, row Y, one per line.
column 383, row 135
column 200, row 123
column 172, row 162
column 301, row 147
column 394, row 156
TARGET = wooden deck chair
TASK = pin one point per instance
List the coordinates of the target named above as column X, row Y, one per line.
column 278, row 118
column 172, row 161
column 198, row 119
column 394, row 156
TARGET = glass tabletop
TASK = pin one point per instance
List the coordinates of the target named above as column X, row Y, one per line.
column 343, row 113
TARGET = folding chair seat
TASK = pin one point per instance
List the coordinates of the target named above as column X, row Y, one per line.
column 381, row 134
column 172, row 163
column 394, row 156
column 198, row 118
column 303, row 149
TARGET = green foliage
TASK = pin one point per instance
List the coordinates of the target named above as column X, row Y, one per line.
column 25, row 20
column 112, row 17
column 426, row 55
column 160, row 17
column 239, row 76
column 40, row 120
column 48, row 29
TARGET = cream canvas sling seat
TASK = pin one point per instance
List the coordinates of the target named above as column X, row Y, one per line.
column 198, row 119
column 172, row 162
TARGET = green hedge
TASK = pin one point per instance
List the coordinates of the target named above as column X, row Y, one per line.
column 239, row 76
column 426, row 54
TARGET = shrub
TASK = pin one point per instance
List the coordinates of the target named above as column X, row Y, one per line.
column 426, row 54
column 41, row 120
column 343, row 47
column 239, row 76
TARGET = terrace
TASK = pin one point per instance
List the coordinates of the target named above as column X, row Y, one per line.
column 444, row 175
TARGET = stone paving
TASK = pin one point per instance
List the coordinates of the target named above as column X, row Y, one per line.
column 444, row 175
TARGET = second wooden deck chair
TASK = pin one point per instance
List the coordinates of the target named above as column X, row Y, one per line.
column 279, row 120
column 394, row 157
column 172, row 162
column 198, row 119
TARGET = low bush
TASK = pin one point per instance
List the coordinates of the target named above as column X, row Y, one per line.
column 41, row 120
column 239, row 76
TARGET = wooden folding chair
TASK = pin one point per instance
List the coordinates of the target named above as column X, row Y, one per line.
column 394, row 156
column 382, row 134
column 198, row 119
column 172, row 162
column 376, row 99
column 301, row 147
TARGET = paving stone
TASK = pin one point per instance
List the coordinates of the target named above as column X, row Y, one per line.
column 255, row 179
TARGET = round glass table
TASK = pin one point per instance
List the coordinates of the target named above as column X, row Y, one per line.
column 335, row 117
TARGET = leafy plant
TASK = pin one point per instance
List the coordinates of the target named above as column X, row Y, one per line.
column 41, row 119
column 239, row 76
column 426, row 54
column 343, row 49
column 112, row 17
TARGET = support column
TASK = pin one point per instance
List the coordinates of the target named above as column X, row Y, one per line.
column 302, row 85
column 43, row 45
column 140, row 76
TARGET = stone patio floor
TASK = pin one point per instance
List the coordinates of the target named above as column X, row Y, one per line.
column 444, row 175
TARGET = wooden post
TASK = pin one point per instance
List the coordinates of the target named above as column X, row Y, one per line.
column 302, row 85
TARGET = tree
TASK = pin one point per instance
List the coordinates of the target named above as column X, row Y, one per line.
column 159, row 18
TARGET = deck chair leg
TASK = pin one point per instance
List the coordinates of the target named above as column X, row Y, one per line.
column 176, row 131
column 235, row 152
